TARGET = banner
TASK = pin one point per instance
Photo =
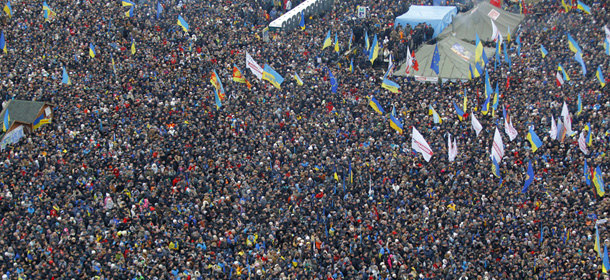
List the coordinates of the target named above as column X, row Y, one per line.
column 12, row 137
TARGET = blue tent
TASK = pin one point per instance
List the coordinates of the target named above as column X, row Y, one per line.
column 438, row 17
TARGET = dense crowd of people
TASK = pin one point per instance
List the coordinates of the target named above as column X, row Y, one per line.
column 141, row 176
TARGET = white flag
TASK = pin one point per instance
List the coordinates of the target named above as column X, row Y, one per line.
column 582, row 143
column 449, row 148
column 494, row 31
column 607, row 32
column 452, row 149
column 559, row 78
column 419, row 144
column 476, row 125
column 409, row 61
column 510, row 130
column 553, row 131
column 497, row 149
column 256, row 69
column 567, row 121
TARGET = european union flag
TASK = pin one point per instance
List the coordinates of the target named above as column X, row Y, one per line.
column 333, row 82
column 436, row 58
column 587, row 173
column 529, row 177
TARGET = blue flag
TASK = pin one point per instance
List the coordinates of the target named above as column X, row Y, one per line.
column 587, row 174
column 529, row 178
column 578, row 57
column 436, row 58
column 159, row 9
column 333, row 82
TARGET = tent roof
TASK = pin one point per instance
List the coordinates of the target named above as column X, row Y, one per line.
column 478, row 20
column 438, row 17
column 23, row 111
column 455, row 58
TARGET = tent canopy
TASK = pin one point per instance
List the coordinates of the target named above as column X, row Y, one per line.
column 436, row 16
column 478, row 20
column 455, row 58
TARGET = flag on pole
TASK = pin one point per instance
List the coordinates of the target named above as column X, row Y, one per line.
column 529, row 177
column 579, row 105
column 273, row 77
column 567, row 120
column 159, row 10
column 553, row 131
column 543, row 50
column 534, row 140
column 497, row 150
column 495, row 167
column 419, row 144
column 476, row 125
column 573, row 45
column 8, row 10
column 374, row 52
column 92, row 50
column 7, row 121
column 3, row 42
column 587, row 173
column 435, row 115
column 327, row 41
column 396, row 124
column 582, row 143
column 598, row 181
column 578, row 58
column 600, row 76
column 436, row 58
column 461, row 115
column 182, row 23
column 298, row 79
column 375, row 105
column 302, row 23
column 336, row 42
column 65, row 78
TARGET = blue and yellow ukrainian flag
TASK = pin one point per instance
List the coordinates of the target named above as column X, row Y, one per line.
column 327, row 41
column 127, row 3
column 565, row 6
column 488, row 89
column 336, row 42
column 543, row 50
column 495, row 168
column 335, row 173
column 579, row 105
column 2, row 42
column 133, row 46
column 600, row 76
column 129, row 12
column 48, row 12
column 395, row 124
column 471, row 73
column 374, row 52
column 390, row 85
column 375, row 105
column 302, row 23
column 534, row 140
column 298, row 79
column 485, row 107
column 351, row 65
column 563, row 72
column 7, row 121
column 597, row 246
column 435, row 115
column 589, row 138
column 182, row 22
column 573, row 45
column 65, row 78
column 584, row 7
column 273, row 77
column 607, row 45
column 458, row 111
column 92, row 50
column 478, row 52
column 478, row 71
column 8, row 10
column 366, row 40
column 598, row 181
column 351, row 37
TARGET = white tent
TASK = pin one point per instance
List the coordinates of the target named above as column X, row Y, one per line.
column 456, row 57
column 478, row 20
